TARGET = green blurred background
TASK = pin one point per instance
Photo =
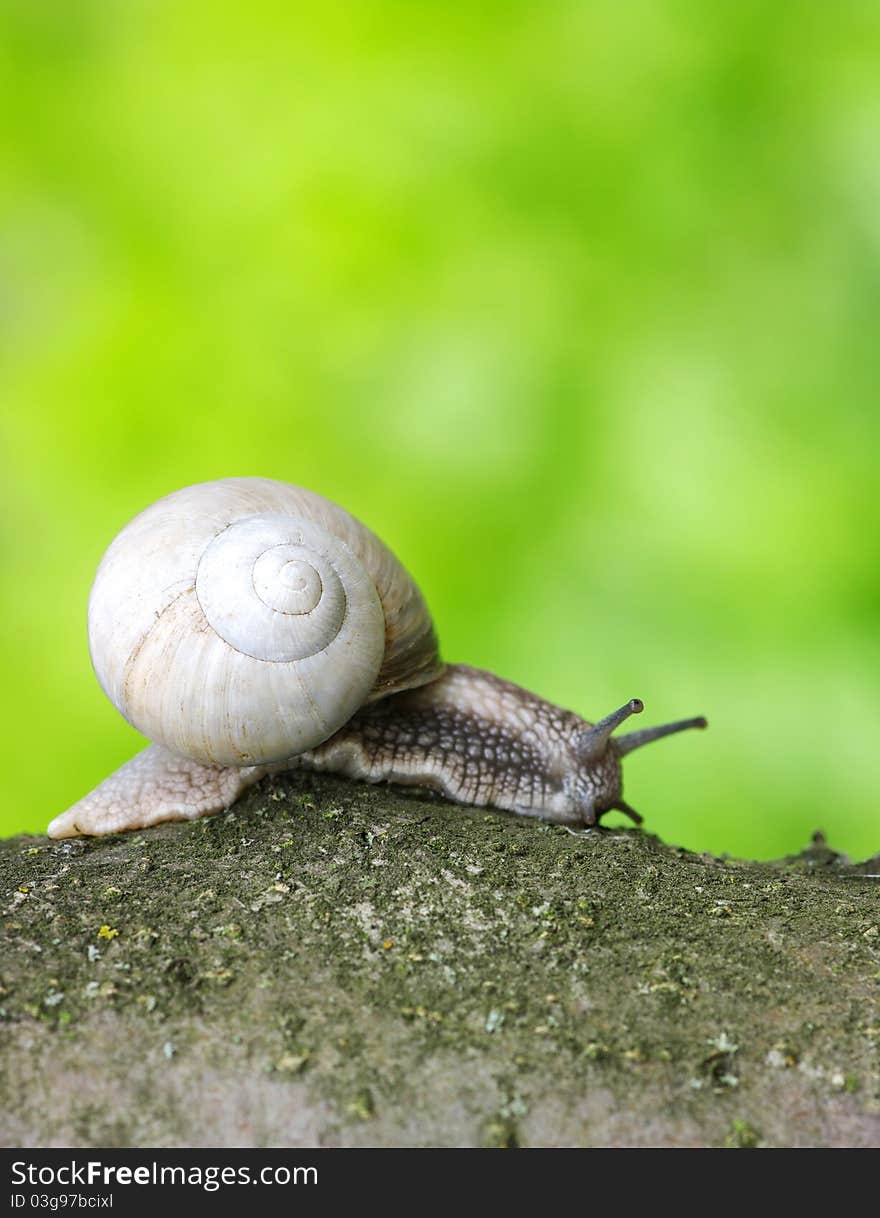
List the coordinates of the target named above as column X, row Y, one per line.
column 575, row 304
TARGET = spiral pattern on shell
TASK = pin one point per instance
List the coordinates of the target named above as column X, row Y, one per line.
column 274, row 588
column 244, row 621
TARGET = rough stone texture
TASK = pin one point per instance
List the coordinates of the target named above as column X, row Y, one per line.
column 332, row 964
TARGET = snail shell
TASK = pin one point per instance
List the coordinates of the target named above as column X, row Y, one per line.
column 243, row 621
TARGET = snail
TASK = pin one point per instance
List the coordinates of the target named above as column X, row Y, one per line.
column 247, row 626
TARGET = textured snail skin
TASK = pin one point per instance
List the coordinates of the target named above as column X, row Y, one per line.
column 476, row 739
column 154, row 786
column 469, row 736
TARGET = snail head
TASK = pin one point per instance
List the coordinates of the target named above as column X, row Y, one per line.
column 598, row 755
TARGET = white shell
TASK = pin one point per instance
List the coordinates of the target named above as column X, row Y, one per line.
column 243, row 621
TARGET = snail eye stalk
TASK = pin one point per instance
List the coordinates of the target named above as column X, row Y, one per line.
column 635, row 740
column 593, row 742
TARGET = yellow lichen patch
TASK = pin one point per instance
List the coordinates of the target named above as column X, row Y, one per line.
column 292, row 1063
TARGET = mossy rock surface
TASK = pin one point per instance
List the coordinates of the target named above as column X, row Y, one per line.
column 333, row 964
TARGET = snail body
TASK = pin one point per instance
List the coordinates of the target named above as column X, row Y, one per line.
column 248, row 626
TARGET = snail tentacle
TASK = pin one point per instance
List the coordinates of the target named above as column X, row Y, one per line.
column 636, row 740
